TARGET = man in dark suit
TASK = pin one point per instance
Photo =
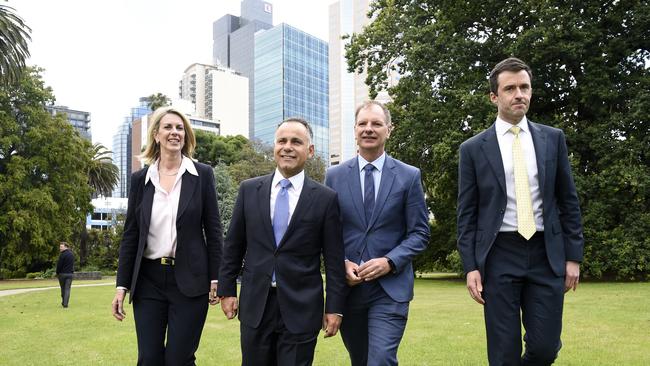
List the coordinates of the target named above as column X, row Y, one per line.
column 281, row 224
column 65, row 272
column 385, row 225
column 519, row 224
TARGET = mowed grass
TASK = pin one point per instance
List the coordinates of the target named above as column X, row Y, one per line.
column 50, row 282
column 604, row 324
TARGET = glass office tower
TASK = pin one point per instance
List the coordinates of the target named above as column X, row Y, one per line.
column 233, row 42
column 122, row 148
column 291, row 80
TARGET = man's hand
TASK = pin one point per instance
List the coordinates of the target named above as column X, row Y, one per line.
column 373, row 269
column 117, row 306
column 475, row 286
column 229, row 306
column 572, row 276
column 351, row 276
column 213, row 299
column 331, row 324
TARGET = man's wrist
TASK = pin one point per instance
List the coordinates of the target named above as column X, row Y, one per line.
column 393, row 268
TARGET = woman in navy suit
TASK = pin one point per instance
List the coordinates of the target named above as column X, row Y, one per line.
column 171, row 247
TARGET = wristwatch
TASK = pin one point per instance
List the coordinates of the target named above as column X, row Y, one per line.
column 393, row 269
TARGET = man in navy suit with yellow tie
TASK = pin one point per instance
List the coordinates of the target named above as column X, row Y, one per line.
column 519, row 224
column 281, row 226
column 385, row 225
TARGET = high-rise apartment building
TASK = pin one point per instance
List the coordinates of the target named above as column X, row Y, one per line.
column 234, row 40
column 80, row 120
column 291, row 80
column 218, row 94
column 347, row 90
column 192, row 87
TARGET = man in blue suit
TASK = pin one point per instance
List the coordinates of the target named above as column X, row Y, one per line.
column 385, row 225
column 519, row 224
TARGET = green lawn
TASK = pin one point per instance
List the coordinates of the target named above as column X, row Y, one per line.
column 604, row 324
column 50, row 282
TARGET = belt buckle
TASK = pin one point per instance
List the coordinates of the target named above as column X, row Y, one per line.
column 167, row 261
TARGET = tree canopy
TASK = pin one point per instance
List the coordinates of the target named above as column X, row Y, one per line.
column 44, row 191
column 590, row 62
column 157, row 100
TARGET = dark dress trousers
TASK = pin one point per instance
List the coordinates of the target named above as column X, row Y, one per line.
column 292, row 313
column 519, row 275
column 171, row 301
column 65, row 273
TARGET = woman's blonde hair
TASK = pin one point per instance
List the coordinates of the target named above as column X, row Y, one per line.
column 152, row 151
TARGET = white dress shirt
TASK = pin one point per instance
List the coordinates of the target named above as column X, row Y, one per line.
column 376, row 174
column 505, row 139
column 161, row 240
column 297, row 181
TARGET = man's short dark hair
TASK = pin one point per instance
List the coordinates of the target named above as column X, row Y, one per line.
column 64, row 244
column 303, row 122
column 511, row 64
column 370, row 103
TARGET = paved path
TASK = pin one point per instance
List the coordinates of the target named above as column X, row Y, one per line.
column 23, row 290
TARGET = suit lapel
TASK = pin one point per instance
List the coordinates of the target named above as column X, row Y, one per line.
column 490, row 147
column 264, row 207
column 385, row 185
column 354, row 184
column 539, row 141
column 304, row 204
column 147, row 204
column 188, row 187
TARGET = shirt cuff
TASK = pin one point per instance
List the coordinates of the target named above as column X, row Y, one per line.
column 122, row 288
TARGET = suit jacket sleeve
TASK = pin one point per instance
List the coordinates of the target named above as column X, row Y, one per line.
column 417, row 226
column 234, row 248
column 130, row 237
column 212, row 227
column 334, row 257
column 568, row 205
column 467, row 207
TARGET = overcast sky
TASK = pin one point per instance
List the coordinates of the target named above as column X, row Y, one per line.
column 102, row 56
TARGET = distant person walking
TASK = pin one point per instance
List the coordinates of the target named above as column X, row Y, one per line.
column 65, row 272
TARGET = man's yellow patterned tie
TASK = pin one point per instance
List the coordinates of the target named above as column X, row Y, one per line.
column 525, row 219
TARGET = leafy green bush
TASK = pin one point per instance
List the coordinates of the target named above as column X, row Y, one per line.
column 49, row 273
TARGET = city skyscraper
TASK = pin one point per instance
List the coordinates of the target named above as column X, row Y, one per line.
column 122, row 148
column 291, row 80
column 80, row 120
column 347, row 90
column 234, row 41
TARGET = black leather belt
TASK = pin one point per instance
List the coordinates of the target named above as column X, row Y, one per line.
column 165, row 261
column 516, row 235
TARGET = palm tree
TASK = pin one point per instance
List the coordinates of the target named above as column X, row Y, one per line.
column 157, row 100
column 102, row 173
column 14, row 34
column 102, row 177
